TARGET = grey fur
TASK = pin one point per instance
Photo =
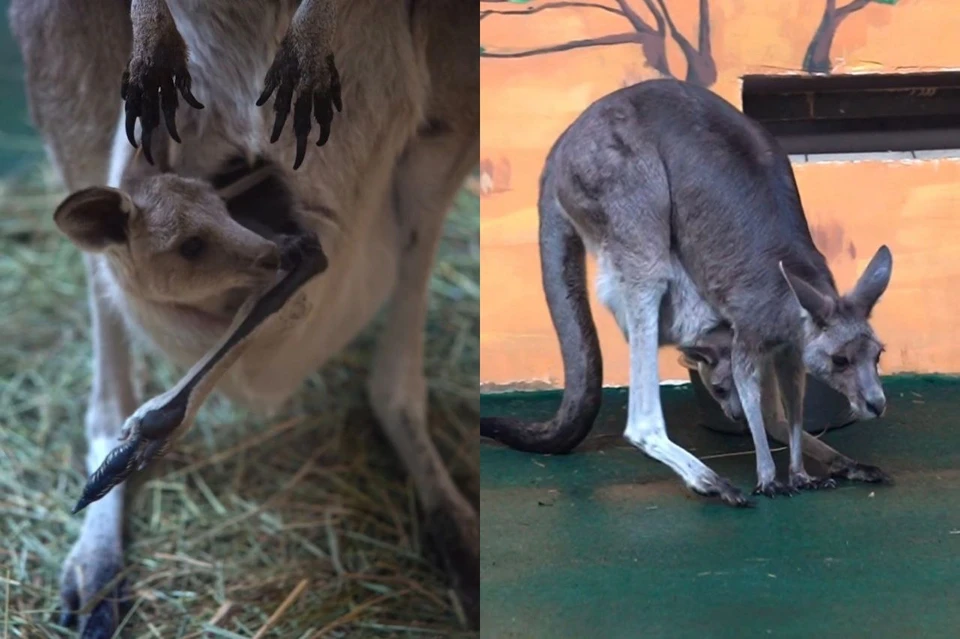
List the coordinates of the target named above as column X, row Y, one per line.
column 373, row 185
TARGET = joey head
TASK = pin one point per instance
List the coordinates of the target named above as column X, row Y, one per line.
column 171, row 241
column 710, row 358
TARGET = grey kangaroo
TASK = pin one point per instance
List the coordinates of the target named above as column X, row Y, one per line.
column 679, row 194
column 236, row 287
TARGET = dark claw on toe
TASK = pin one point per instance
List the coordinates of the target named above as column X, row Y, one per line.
column 727, row 492
column 774, row 488
column 805, row 482
column 150, row 91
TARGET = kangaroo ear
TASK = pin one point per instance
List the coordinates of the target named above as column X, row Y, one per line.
column 873, row 282
column 698, row 354
column 94, row 218
column 820, row 307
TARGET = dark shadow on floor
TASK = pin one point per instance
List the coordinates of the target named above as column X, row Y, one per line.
column 605, row 542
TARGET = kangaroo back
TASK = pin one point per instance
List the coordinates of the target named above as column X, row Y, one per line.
column 563, row 264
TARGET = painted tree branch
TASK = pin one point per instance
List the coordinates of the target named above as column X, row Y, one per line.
column 817, row 57
column 548, row 6
column 701, row 69
column 620, row 38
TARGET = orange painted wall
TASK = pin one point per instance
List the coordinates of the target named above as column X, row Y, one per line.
column 913, row 206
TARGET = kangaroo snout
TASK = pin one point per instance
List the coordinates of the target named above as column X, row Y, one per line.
column 876, row 405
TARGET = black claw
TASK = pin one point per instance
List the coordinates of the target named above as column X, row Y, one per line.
column 334, row 84
column 301, row 127
column 183, row 83
column 282, row 106
column 132, row 109
column 775, row 488
column 324, row 115
column 168, row 105
column 270, row 84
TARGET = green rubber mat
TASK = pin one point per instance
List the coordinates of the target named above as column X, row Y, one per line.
column 607, row 543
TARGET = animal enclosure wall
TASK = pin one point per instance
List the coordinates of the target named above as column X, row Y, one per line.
column 543, row 62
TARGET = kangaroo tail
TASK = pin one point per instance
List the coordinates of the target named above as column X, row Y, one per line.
column 563, row 264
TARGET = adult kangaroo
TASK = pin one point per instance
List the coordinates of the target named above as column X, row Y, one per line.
column 171, row 262
column 664, row 181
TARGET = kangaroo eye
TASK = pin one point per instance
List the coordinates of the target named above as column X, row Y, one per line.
column 192, row 248
column 720, row 392
column 840, row 362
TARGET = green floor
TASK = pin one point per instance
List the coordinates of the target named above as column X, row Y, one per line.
column 607, row 543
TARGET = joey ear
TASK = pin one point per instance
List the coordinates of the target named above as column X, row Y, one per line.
column 819, row 306
column 698, row 354
column 873, row 282
column 95, row 217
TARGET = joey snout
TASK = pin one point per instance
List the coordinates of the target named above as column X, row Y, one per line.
column 268, row 259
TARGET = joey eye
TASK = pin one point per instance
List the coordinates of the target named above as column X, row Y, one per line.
column 720, row 392
column 192, row 248
column 840, row 362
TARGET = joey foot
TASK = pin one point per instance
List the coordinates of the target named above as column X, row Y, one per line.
column 851, row 470
column 773, row 488
column 727, row 492
column 146, row 435
column 156, row 71
column 299, row 68
column 802, row 481
column 91, row 597
column 454, row 531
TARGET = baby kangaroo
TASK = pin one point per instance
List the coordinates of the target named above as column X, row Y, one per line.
column 662, row 174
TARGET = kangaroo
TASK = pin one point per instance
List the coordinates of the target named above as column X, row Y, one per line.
column 237, row 287
column 661, row 174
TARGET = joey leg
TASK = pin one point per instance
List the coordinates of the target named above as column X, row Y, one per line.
column 158, row 422
column 156, row 72
column 791, row 379
column 754, row 378
column 426, row 182
column 96, row 558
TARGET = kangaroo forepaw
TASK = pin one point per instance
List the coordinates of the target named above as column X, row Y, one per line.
column 156, row 71
column 802, row 481
column 773, row 488
column 299, row 69
column 855, row 471
column 455, row 533
column 91, row 595
column 727, row 492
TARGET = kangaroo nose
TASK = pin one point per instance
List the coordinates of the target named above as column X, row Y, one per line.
column 877, row 406
column 269, row 260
